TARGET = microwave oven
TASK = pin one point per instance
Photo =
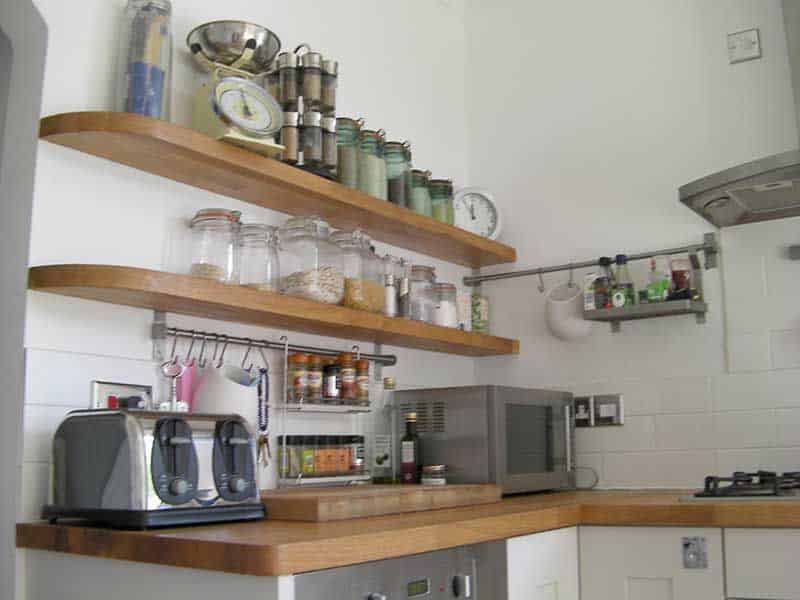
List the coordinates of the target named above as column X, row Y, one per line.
column 520, row 439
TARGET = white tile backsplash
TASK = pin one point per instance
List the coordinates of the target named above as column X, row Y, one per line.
column 684, row 395
column 684, row 469
column 748, row 351
column 684, row 432
column 785, row 348
column 745, row 429
column 788, row 428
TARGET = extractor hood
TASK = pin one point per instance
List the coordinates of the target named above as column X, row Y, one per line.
column 764, row 189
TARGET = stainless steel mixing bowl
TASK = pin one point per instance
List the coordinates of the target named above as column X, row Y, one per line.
column 223, row 42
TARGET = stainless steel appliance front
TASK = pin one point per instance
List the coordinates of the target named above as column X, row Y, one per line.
column 521, row 439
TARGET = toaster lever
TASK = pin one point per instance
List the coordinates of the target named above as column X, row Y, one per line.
column 238, row 441
column 177, row 440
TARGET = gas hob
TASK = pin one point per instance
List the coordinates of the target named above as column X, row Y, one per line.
column 759, row 485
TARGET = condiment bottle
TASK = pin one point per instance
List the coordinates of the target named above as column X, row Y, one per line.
column 288, row 75
column 311, row 63
column 390, row 308
column 330, row 81
column 290, row 137
column 404, row 289
column 347, row 391
column 410, row 459
column 331, row 384
column 362, row 382
column 298, row 378
column 315, row 379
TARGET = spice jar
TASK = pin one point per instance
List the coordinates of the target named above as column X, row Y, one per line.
column 330, row 153
column 258, row 257
column 347, row 380
column 371, row 165
column 434, row 475
column 315, row 378
column 347, row 142
column 311, row 64
column 422, row 299
column 403, row 283
column 479, row 313
column 330, row 81
column 398, row 173
column 441, row 191
column 445, row 310
column 214, row 255
column 312, row 138
column 289, row 80
column 363, row 283
column 297, row 390
column 290, row 137
column 391, row 266
column 331, row 384
column 290, row 455
column 313, row 265
column 308, row 445
column 420, row 197
column 357, row 453
column 272, row 81
column 362, row 382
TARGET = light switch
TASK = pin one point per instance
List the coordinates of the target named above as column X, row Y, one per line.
column 584, row 411
column 743, row 45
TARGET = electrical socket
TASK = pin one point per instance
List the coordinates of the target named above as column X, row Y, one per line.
column 102, row 390
column 584, row 411
column 609, row 409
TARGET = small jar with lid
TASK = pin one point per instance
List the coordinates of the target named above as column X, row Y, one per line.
column 214, row 253
column 347, row 380
column 442, row 200
column 331, row 382
column 311, row 266
column 420, row 197
column 272, row 81
column 363, row 281
column 297, row 388
column 312, row 138
column 315, row 379
column 371, row 164
column 391, row 269
column 330, row 153
column 330, row 81
column 434, row 475
column 290, row 137
column 398, row 173
column 422, row 298
column 347, row 141
column 289, row 79
column 362, row 382
column 311, row 64
column 445, row 309
column 258, row 257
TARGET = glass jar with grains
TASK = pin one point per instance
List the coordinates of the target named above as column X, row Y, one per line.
column 398, row 173
column 363, row 284
column 213, row 234
column 371, row 164
column 258, row 257
column 445, row 310
column 311, row 265
column 347, row 138
column 422, row 297
column 442, row 200
column 420, row 196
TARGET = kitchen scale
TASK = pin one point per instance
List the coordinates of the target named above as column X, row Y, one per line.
column 231, row 106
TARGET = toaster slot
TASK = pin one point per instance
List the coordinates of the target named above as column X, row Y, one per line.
column 174, row 463
column 234, row 465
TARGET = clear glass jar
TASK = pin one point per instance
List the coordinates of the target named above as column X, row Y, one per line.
column 441, row 191
column 404, row 289
column 145, row 59
column 445, row 310
column 398, row 173
column 311, row 64
column 258, row 257
column 289, row 77
column 421, row 291
column 371, row 164
column 330, row 81
column 312, row 138
column 347, row 141
column 312, row 266
column 420, row 197
column 290, row 137
column 363, row 282
column 297, row 387
column 330, row 153
column 391, row 281
column 214, row 254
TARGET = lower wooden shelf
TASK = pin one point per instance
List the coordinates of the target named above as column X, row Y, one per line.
column 183, row 294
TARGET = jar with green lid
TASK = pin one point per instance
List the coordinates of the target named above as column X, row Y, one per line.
column 398, row 172
column 371, row 163
column 347, row 137
column 441, row 191
column 420, row 197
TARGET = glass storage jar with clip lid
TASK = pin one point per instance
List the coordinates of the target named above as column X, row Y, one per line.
column 363, row 284
column 347, row 139
column 371, row 164
column 258, row 257
column 445, row 310
column 442, row 200
column 420, row 196
column 421, row 291
column 312, row 265
column 213, row 234
column 398, row 172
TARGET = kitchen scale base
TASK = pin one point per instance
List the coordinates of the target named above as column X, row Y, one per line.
column 146, row 519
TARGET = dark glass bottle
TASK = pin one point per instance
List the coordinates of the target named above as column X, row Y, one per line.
column 410, row 455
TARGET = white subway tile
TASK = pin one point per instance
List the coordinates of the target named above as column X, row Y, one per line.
column 746, row 391
column 746, row 429
column 684, row 432
column 783, row 459
column 784, row 388
column 748, row 351
column 638, row 433
column 589, row 439
column 684, row 395
column 754, row 459
column 785, row 348
column 788, row 428
column 684, row 469
column 587, row 467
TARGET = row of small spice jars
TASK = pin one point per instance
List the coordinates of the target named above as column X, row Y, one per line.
column 309, row 141
column 316, row 379
column 321, row 455
column 304, row 81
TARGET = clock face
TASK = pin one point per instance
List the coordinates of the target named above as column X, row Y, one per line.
column 246, row 106
column 476, row 212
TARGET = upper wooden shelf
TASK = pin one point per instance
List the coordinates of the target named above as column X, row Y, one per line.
column 195, row 159
column 183, row 294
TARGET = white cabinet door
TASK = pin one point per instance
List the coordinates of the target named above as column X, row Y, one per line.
column 646, row 563
column 543, row 566
column 763, row 563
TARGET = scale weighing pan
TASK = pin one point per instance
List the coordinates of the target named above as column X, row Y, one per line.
column 236, row 44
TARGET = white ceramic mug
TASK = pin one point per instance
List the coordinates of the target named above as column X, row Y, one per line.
column 564, row 313
column 227, row 389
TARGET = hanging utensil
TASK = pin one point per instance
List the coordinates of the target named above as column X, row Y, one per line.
column 172, row 369
column 264, row 452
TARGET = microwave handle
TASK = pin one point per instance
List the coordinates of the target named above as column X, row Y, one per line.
column 568, row 435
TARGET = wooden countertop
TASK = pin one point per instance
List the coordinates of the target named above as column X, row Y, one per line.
column 273, row 547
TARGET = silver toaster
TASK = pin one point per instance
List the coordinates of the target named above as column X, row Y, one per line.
column 140, row 469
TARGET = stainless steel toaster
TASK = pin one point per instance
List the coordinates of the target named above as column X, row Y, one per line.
column 143, row 469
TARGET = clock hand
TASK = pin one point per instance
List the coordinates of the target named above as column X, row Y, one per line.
column 472, row 210
column 247, row 112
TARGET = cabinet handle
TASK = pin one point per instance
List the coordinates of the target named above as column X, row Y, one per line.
column 568, row 435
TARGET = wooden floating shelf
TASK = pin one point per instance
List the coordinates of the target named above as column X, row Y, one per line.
column 648, row 311
column 187, row 295
column 195, row 159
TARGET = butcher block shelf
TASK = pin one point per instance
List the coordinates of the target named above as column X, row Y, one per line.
column 195, row 159
column 187, row 295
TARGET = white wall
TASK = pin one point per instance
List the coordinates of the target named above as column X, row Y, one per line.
column 607, row 109
column 90, row 210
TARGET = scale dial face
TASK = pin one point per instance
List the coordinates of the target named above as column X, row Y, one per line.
column 476, row 212
column 247, row 107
